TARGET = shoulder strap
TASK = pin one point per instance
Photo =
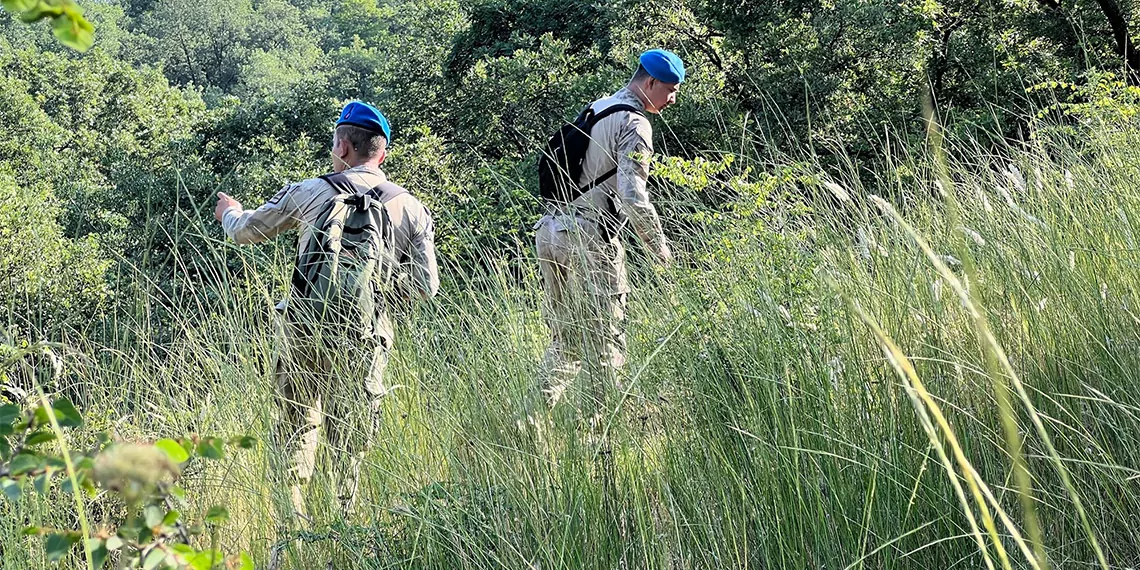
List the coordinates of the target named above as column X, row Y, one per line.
column 340, row 182
column 593, row 120
column 385, row 191
column 388, row 191
column 614, row 109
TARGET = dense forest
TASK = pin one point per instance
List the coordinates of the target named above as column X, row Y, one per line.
column 900, row 331
column 118, row 150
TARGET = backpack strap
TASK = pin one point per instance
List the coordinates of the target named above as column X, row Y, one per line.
column 593, row 120
column 595, row 117
column 385, row 191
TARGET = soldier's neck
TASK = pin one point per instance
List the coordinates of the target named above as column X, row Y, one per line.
column 635, row 89
column 363, row 165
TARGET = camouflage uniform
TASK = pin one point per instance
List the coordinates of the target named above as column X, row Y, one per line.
column 311, row 392
column 580, row 256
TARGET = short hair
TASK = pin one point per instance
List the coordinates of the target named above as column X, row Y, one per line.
column 640, row 74
column 365, row 142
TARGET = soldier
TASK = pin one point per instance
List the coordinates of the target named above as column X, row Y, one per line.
column 580, row 254
column 323, row 380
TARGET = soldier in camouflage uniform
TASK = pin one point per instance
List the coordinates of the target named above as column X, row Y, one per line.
column 580, row 254
column 322, row 382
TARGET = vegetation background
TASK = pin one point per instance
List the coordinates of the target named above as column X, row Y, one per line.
column 901, row 333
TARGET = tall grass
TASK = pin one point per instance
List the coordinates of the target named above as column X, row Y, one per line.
column 810, row 387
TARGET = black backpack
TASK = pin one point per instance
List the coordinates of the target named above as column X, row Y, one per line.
column 560, row 164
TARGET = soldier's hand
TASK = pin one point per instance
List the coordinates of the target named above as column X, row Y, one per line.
column 225, row 202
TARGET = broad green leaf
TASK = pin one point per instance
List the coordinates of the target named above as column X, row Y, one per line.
column 205, row 560
column 40, row 437
column 73, row 31
column 66, row 414
column 42, row 483
column 217, row 515
column 171, row 518
column 11, row 489
column 32, row 530
column 39, row 11
column 99, row 556
column 173, row 449
column 57, row 546
column 9, row 413
column 184, row 549
column 211, row 448
column 5, row 448
column 153, row 559
column 24, row 463
column 153, row 516
column 114, row 543
column 244, row 442
column 246, row 562
column 18, row 6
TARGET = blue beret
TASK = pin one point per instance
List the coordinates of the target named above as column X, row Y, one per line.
column 663, row 65
column 365, row 116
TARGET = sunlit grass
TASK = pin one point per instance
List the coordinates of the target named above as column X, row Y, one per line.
column 760, row 423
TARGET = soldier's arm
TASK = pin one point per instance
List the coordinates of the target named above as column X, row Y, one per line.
column 634, row 150
column 277, row 215
column 421, row 262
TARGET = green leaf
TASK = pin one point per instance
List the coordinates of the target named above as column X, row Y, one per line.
column 145, row 535
column 40, row 417
column 39, row 11
column 153, row 516
column 73, row 31
column 244, row 442
column 11, row 489
column 205, row 560
column 42, row 483
column 153, row 559
column 18, row 6
column 173, row 449
column 114, row 543
column 98, row 556
column 9, row 413
column 32, row 530
column 171, row 518
column 66, row 414
column 24, row 463
column 217, row 515
column 211, row 448
column 246, row 562
column 57, row 546
column 40, row 437
column 5, row 448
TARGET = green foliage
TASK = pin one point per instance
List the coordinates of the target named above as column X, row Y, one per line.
column 67, row 21
column 153, row 533
column 499, row 28
column 45, row 275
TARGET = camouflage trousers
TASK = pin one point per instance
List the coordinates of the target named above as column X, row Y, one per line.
column 330, row 385
column 585, row 280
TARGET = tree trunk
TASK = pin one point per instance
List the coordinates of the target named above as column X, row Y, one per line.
column 1124, row 45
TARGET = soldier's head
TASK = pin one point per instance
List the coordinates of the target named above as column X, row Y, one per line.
column 657, row 79
column 361, row 137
